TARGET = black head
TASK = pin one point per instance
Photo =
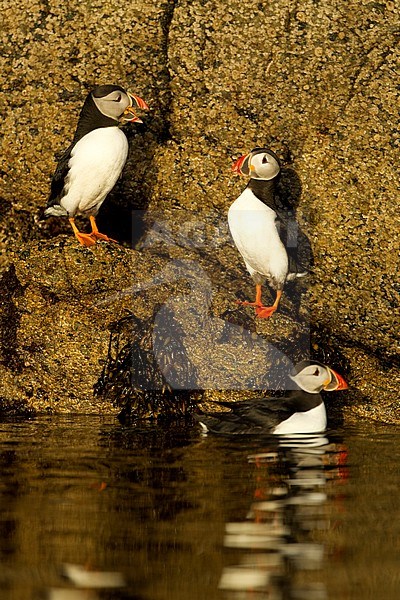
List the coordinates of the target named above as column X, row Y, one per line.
column 108, row 106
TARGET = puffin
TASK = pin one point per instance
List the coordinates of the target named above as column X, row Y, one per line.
column 92, row 164
column 257, row 223
column 296, row 411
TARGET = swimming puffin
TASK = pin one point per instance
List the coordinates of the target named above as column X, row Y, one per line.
column 90, row 167
column 297, row 411
column 256, row 223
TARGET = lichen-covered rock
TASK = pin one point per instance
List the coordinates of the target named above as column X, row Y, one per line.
column 53, row 332
column 315, row 82
column 65, row 304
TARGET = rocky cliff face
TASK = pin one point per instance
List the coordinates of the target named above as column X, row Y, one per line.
column 315, row 83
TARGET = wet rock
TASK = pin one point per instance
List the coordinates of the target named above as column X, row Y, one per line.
column 316, row 84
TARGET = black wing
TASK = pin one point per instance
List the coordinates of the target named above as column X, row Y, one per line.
column 227, row 423
column 297, row 244
column 290, row 402
column 58, row 179
column 260, row 415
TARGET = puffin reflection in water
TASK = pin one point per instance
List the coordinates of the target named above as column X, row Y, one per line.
column 91, row 166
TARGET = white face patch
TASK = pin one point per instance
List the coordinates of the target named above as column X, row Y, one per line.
column 263, row 166
column 313, row 378
column 113, row 105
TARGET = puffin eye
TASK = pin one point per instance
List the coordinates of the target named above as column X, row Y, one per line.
column 118, row 98
column 316, row 372
column 264, row 160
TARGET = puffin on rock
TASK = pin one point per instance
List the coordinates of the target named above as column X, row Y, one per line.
column 91, row 166
column 295, row 412
column 256, row 223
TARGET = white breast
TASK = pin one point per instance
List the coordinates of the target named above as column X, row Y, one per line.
column 311, row 421
column 253, row 228
column 95, row 165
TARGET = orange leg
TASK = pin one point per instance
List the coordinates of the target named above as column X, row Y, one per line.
column 96, row 235
column 84, row 238
column 257, row 302
column 263, row 311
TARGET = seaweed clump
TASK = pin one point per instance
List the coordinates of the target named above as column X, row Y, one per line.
column 9, row 321
column 147, row 373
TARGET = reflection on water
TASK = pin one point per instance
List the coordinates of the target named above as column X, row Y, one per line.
column 283, row 528
column 90, row 509
column 85, row 581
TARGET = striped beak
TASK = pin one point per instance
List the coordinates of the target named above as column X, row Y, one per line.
column 129, row 115
column 336, row 383
column 241, row 165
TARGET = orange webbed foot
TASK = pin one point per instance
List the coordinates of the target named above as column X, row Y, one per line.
column 264, row 312
column 85, row 239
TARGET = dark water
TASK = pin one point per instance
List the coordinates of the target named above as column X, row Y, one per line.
column 90, row 509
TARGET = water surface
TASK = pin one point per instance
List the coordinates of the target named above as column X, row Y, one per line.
column 91, row 509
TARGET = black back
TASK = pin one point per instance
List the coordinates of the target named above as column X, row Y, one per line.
column 259, row 415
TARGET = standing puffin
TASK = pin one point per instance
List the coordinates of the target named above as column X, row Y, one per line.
column 297, row 411
column 256, row 223
column 90, row 167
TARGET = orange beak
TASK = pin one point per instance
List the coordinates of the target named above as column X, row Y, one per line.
column 236, row 167
column 337, row 382
column 139, row 102
column 129, row 114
